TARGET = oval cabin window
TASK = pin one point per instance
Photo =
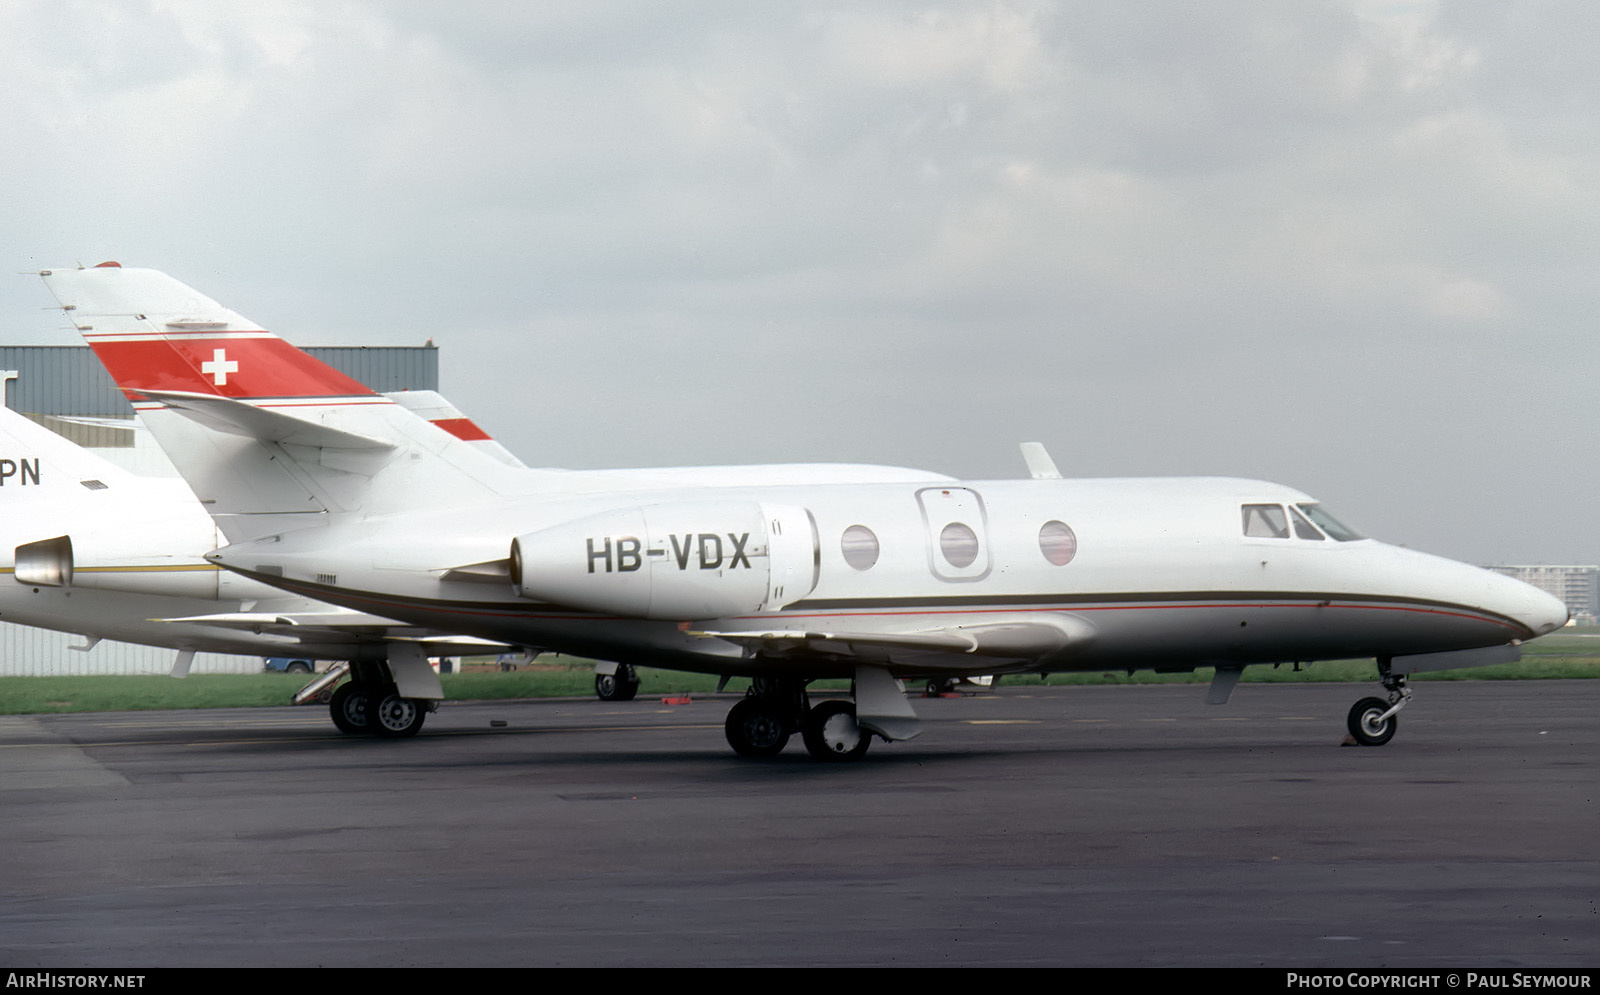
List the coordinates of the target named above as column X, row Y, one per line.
column 1058, row 543
column 860, row 547
column 959, row 544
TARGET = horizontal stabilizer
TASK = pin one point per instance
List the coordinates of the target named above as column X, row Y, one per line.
column 224, row 414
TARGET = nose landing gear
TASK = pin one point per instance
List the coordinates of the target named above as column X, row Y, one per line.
column 1373, row 721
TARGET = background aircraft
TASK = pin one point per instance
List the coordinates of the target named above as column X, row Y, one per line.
column 96, row 550
column 783, row 573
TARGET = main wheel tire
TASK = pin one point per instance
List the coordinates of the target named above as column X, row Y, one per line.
column 393, row 717
column 351, row 709
column 832, row 734
column 755, row 728
column 614, row 687
column 1365, row 726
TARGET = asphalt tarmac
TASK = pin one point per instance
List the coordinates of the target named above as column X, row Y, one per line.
column 1058, row 827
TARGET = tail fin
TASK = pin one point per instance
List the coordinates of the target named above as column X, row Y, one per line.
column 269, row 438
column 38, row 464
column 155, row 334
column 432, row 406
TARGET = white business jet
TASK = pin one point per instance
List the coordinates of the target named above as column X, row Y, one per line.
column 786, row 573
column 99, row 551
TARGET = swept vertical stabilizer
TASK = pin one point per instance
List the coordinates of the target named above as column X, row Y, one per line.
column 269, row 438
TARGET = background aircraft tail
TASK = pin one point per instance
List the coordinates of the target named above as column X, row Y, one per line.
column 268, row 437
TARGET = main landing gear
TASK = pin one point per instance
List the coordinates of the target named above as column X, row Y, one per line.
column 761, row 724
column 370, row 703
column 1373, row 721
column 619, row 686
column 349, row 708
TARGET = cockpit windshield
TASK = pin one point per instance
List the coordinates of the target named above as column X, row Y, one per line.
column 1268, row 521
column 1304, row 529
column 1335, row 528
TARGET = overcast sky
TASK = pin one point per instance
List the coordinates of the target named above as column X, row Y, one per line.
column 1346, row 246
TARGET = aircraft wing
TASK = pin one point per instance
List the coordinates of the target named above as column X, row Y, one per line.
column 842, row 642
column 1012, row 638
column 289, row 620
column 335, row 627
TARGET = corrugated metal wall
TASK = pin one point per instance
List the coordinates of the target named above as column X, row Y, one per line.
column 30, row 652
column 67, row 381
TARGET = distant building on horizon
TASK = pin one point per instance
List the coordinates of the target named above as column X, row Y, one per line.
column 1578, row 585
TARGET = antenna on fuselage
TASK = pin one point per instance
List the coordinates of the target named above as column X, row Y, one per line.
column 1040, row 465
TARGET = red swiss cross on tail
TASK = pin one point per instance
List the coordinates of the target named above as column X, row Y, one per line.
column 156, row 334
column 219, row 367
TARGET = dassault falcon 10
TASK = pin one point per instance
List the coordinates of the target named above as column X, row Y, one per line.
column 785, row 573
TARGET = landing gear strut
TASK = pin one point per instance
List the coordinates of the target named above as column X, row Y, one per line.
column 1373, row 721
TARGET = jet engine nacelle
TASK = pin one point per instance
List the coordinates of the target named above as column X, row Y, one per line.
column 672, row 561
column 54, row 563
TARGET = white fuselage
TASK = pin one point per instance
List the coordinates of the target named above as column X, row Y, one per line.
column 1160, row 573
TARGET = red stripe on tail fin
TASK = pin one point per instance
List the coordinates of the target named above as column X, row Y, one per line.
column 247, row 367
column 462, row 428
column 154, row 333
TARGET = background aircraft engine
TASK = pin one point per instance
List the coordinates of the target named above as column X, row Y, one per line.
column 671, row 561
column 55, row 563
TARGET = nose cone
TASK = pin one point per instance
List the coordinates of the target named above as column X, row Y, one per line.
column 1526, row 604
column 1524, row 610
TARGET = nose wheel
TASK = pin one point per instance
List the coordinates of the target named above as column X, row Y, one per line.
column 1370, row 722
column 1373, row 721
